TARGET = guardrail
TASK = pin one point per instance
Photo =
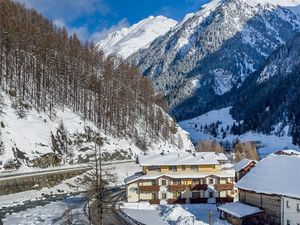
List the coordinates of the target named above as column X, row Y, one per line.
column 127, row 219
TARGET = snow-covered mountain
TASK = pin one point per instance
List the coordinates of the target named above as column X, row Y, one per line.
column 216, row 49
column 126, row 41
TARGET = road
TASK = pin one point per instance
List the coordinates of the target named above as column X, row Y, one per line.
column 53, row 170
column 110, row 214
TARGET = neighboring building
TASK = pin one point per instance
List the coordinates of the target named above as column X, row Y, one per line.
column 241, row 214
column 202, row 177
column 271, row 185
column 291, row 211
column 243, row 167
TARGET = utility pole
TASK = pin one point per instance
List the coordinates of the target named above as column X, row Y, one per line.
column 210, row 217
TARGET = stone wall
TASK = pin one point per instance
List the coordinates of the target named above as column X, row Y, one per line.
column 35, row 182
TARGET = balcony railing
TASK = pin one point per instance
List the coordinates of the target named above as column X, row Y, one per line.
column 154, row 201
column 174, row 188
column 199, row 187
column 224, row 200
column 176, row 201
column 223, row 187
column 149, row 188
column 198, row 200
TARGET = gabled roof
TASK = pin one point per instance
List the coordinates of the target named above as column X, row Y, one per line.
column 239, row 209
column 242, row 164
column 182, row 158
column 276, row 174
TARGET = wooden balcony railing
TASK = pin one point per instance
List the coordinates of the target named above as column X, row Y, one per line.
column 174, row 188
column 176, row 201
column 198, row 200
column 149, row 188
column 224, row 200
column 223, row 187
column 154, row 201
column 198, row 187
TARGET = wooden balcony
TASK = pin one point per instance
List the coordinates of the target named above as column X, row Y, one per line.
column 199, row 187
column 149, row 188
column 174, row 188
column 227, row 199
column 154, row 201
column 176, row 201
column 198, row 200
column 223, row 187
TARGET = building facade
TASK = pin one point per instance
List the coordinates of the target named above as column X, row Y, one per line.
column 291, row 211
column 273, row 186
column 171, row 178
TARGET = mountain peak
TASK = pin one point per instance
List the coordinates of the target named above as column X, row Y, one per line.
column 127, row 41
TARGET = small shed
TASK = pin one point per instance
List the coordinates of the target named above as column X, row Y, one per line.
column 238, row 213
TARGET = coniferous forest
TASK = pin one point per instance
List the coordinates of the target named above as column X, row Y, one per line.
column 45, row 68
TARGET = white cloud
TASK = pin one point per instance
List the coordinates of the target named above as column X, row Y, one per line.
column 97, row 36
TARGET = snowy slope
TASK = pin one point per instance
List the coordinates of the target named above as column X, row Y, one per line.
column 269, row 143
column 32, row 136
column 129, row 40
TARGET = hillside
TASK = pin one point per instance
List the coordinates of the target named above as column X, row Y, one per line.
column 221, row 126
column 127, row 41
column 51, row 82
column 215, row 50
column 272, row 95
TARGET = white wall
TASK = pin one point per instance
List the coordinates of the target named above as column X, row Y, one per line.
column 290, row 213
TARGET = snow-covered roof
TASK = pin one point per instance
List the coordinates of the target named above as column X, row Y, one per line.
column 140, row 176
column 276, row 174
column 182, row 158
column 239, row 209
column 242, row 164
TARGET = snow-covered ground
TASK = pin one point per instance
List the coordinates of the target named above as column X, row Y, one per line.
column 32, row 136
column 55, row 213
column 269, row 143
column 197, row 214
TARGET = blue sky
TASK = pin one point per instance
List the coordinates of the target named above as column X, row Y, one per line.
column 94, row 19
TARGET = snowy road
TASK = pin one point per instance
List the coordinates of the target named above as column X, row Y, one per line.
column 55, row 170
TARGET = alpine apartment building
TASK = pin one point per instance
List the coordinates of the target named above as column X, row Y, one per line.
column 202, row 177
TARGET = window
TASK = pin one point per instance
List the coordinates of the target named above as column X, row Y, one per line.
column 163, row 182
column 288, row 222
column 177, row 182
column 163, row 196
column 298, row 207
column 196, row 181
column 173, row 168
column 183, row 167
column 288, row 204
column 153, row 182
column 211, row 194
column 133, row 190
column 196, row 194
column 194, row 168
column 211, row 181
column 153, row 195
column 154, row 168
